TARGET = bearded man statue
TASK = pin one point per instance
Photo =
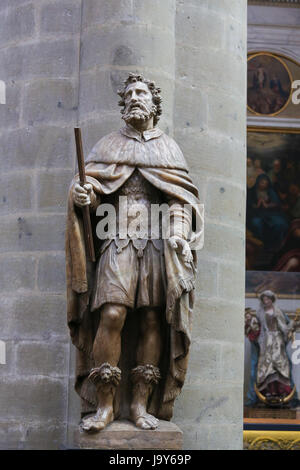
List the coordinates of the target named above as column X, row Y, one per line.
column 130, row 312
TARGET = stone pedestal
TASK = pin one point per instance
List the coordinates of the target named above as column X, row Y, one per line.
column 124, row 435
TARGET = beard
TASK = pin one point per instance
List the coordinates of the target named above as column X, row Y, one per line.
column 139, row 112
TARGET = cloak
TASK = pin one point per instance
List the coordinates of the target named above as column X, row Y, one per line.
column 111, row 162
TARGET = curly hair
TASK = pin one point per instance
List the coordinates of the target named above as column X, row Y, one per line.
column 157, row 100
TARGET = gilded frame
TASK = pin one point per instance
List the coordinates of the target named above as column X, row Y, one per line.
column 271, row 440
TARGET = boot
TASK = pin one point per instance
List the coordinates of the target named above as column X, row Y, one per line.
column 106, row 378
column 144, row 378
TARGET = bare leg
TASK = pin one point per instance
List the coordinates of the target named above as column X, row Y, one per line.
column 106, row 351
column 148, row 355
column 107, row 344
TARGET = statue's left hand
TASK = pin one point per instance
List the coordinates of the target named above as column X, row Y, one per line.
column 179, row 243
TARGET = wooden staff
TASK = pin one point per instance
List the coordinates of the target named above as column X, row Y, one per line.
column 87, row 226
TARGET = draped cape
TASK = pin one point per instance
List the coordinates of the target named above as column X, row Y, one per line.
column 108, row 166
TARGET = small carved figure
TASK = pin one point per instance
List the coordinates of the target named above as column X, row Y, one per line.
column 270, row 330
column 130, row 312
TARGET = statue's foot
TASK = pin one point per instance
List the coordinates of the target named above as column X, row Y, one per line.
column 97, row 422
column 144, row 420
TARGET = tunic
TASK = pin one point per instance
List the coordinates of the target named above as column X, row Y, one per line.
column 131, row 271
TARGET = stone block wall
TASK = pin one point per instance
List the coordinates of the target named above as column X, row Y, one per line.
column 39, row 56
column 118, row 37
column 211, row 88
column 63, row 62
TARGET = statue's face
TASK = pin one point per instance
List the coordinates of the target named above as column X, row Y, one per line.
column 267, row 301
column 138, row 103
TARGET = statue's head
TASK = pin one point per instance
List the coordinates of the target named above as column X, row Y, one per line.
column 267, row 297
column 140, row 99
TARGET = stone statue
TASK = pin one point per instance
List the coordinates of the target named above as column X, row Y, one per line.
column 269, row 331
column 129, row 313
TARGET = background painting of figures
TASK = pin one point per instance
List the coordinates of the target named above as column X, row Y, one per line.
column 273, row 200
column 269, row 84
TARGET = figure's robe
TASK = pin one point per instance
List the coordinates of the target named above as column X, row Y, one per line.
column 273, row 362
column 109, row 165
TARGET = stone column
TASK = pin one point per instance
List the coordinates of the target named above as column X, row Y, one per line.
column 210, row 126
column 120, row 36
column 203, row 46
